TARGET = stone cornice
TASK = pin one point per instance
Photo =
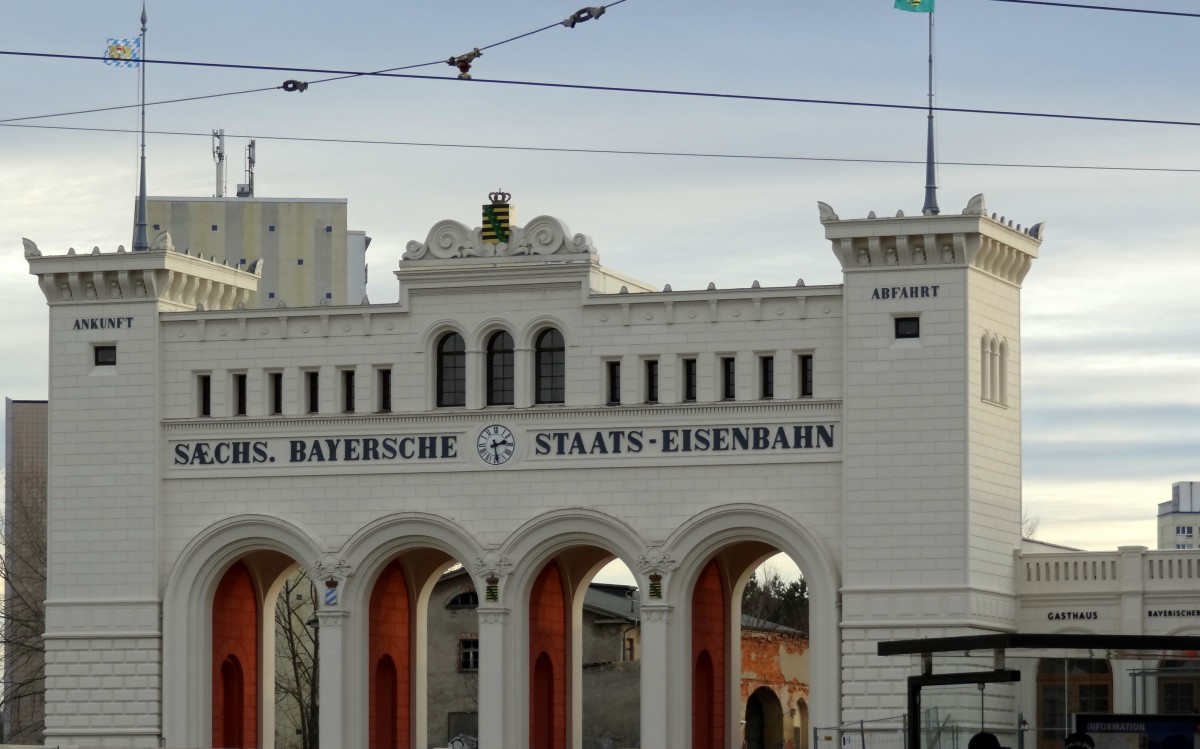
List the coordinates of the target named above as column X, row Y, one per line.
column 176, row 281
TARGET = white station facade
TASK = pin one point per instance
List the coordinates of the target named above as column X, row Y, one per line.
column 531, row 415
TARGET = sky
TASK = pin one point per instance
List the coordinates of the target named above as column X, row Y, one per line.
column 1111, row 353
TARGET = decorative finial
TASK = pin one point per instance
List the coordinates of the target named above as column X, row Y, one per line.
column 499, row 197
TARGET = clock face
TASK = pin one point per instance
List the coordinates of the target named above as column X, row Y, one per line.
column 495, row 445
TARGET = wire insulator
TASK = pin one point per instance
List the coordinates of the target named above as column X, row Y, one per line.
column 583, row 14
column 463, row 63
column 294, row 85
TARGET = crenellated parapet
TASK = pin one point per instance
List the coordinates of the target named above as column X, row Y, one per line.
column 176, row 281
column 970, row 239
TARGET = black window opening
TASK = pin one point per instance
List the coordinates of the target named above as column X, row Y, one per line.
column 728, row 378
column 451, row 371
column 689, row 380
column 385, row 390
column 614, row 383
column 239, row 394
column 104, row 356
column 501, row 373
column 348, row 391
column 204, row 388
column 908, row 327
column 468, row 654
column 468, row 599
column 766, row 375
column 652, row 381
column 313, row 387
column 275, row 384
column 806, row 375
column 550, row 367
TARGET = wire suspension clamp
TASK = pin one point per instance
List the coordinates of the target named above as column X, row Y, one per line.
column 463, row 63
column 583, row 14
column 294, row 85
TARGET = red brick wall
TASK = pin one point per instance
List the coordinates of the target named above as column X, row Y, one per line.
column 235, row 638
column 390, row 637
column 710, row 623
column 548, row 661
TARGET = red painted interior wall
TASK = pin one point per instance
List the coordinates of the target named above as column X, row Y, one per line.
column 548, row 661
column 390, row 638
column 235, row 654
column 710, row 622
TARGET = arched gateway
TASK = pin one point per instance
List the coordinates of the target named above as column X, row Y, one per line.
column 519, row 418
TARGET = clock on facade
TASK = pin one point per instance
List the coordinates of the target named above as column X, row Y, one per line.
column 495, row 445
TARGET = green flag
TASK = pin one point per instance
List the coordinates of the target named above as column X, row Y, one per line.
column 915, row 6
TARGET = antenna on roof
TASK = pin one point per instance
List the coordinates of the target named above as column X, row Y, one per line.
column 219, row 158
column 246, row 190
column 141, row 242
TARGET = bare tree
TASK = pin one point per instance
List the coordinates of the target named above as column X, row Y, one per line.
column 297, row 659
column 23, row 608
column 1029, row 524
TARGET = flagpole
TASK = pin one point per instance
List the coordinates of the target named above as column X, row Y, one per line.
column 141, row 242
column 931, row 206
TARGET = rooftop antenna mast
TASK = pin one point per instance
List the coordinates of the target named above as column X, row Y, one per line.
column 246, row 190
column 141, row 242
column 931, row 206
column 219, row 158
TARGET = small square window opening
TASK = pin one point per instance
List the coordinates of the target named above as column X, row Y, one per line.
column 104, row 356
column 908, row 327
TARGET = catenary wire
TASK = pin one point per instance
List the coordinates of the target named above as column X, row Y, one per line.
column 1102, row 7
column 276, row 88
column 638, row 90
column 616, row 151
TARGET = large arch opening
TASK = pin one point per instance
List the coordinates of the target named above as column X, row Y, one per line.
column 584, row 651
column 250, row 647
column 749, row 647
column 422, row 651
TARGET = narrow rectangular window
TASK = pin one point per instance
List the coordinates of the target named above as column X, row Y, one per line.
column 728, row 378
column 313, row 391
column 239, row 394
column 275, row 386
column 468, row 654
column 348, row 391
column 806, row 375
column 385, row 390
column 908, row 327
column 766, row 373
column 689, row 380
column 614, row 383
column 204, row 388
column 652, row 381
column 104, row 356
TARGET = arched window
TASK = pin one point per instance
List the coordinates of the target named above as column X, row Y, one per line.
column 1002, row 385
column 985, row 367
column 550, row 367
column 451, row 371
column 466, row 600
column 500, row 379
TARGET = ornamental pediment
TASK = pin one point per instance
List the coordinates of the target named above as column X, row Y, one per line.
column 542, row 237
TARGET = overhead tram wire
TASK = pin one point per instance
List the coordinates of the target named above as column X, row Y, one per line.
column 1078, row 6
column 342, row 77
column 631, row 90
column 623, row 152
